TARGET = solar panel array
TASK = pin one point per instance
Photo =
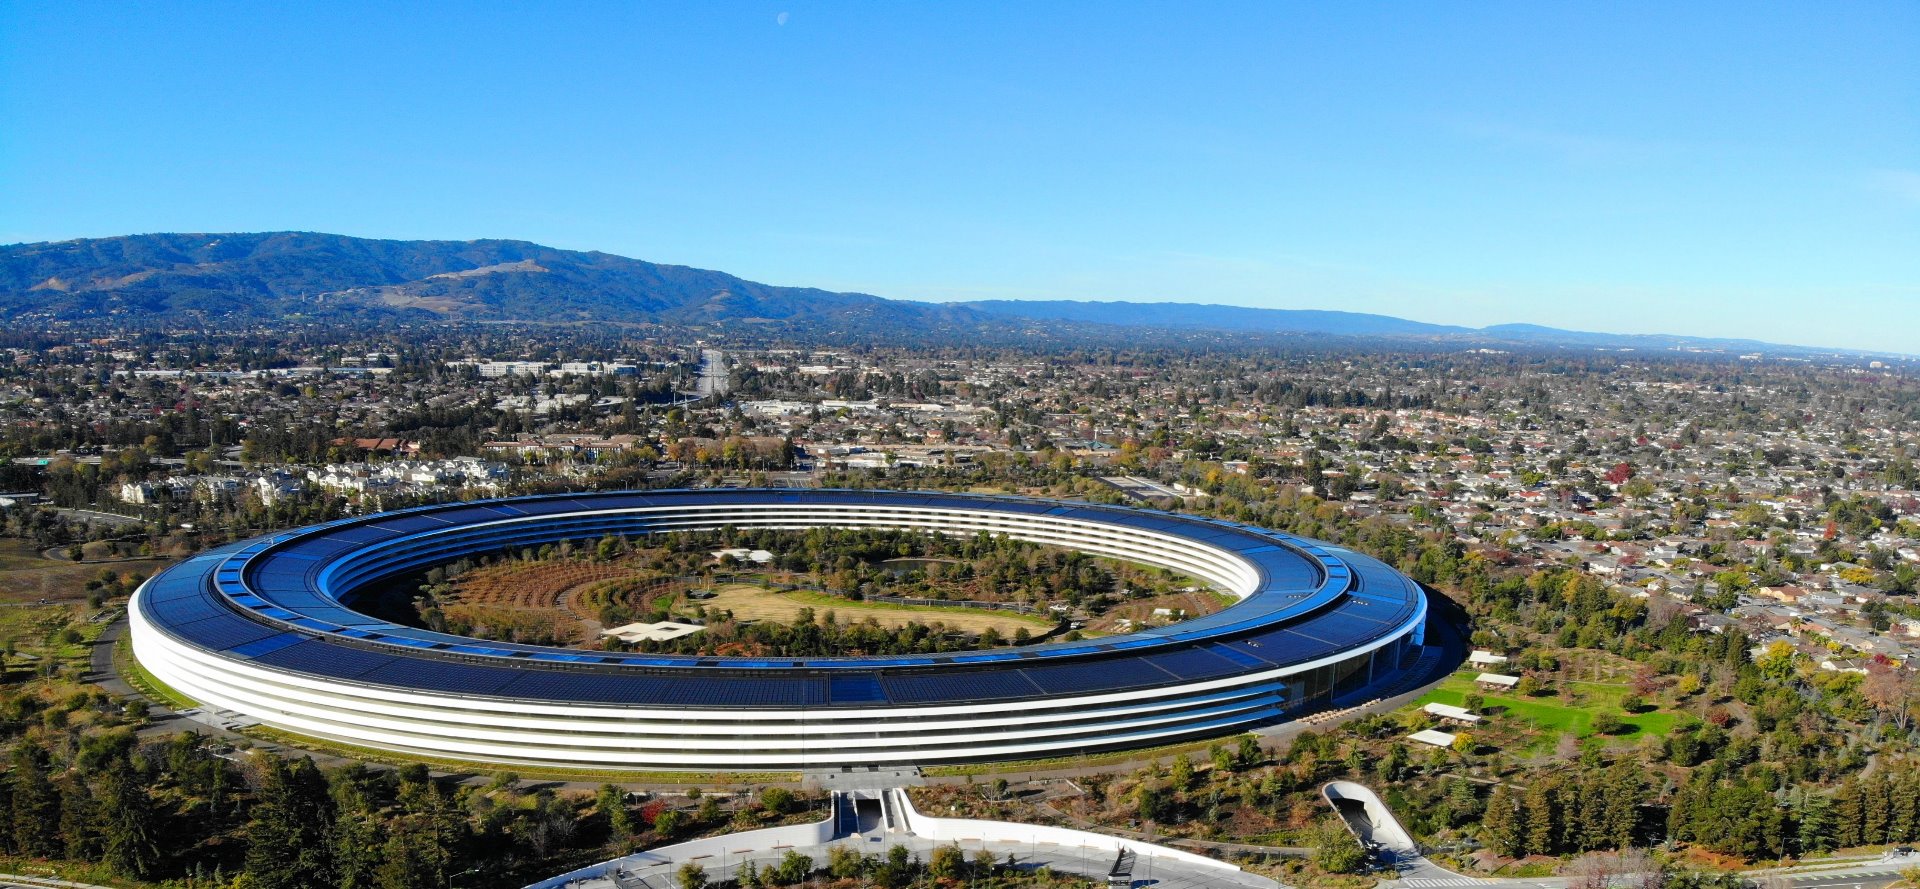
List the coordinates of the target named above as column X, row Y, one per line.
column 265, row 600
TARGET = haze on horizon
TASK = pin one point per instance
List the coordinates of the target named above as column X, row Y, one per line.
column 1712, row 170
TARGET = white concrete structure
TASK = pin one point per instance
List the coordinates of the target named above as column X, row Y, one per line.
column 663, row 631
column 1433, row 738
column 413, row 691
column 1451, row 713
column 1497, row 681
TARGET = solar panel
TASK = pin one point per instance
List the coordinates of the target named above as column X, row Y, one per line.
column 859, row 689
column 317, row 657
column 1193, row 663
column 223, row 631
column 412, row 523
column 413, row 672
column 1237, row 656
column 270, row 643
column 958, row 687
column 187, row 609
column 549, row 685
column 722, row 692
column 1112, row 675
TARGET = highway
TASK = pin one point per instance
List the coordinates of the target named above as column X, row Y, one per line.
column 714, row 380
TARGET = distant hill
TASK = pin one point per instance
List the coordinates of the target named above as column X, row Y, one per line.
column 231, row 279
column 1216, row 317
column 243, row 277
column 1358, row 325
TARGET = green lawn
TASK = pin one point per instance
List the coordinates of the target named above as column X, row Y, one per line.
column 1555, row 713
column 840, row 603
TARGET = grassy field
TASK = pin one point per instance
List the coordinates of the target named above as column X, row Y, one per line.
column 752, row 602
column 1571, row 712
column 144, row 682
column 26, row 577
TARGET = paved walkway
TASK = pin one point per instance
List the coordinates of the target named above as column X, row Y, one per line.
column 24, row 880
column 1047, row 808
column 1064, row 859
column 874, row 834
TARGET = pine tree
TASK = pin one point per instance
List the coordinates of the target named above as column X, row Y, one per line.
column 410, row 858
column 612, row 802
column 1848, row 814
column 35, row 807
column 128, row 827
column 1816, row 823
column 1542, row 820
column 1462, row 805
column 1903, row 798
column 80, row 816
column 1624, row 790
column 1875, row 809
column 1503, row 826
column 355, row 833
column 287, row 846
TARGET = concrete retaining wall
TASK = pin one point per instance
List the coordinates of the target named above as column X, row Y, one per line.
column 957, row 829
column 762, row 841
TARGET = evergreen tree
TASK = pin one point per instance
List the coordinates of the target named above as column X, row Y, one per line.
column 412, row 857
column 80, row 816
column 612, row 802
column 1815, row 822
column 1504, row 825
column 129, row 826
column 1541, row 822
column 1848, row 815
column 287, row 838
column 1903, row 798
column 355, row 833
column 1876, row 810
column 35, row 802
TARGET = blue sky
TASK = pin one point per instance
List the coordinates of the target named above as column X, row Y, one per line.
column 1728, row 169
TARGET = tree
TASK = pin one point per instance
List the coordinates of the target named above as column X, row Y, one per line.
column 1394, row 765
column 1891, row 693
column 1503, row 828
column 692, row 876
column 947, row 862
column 1540, row 823
column 355, row 834
column 130, row 848
column 777, row 800
column 1249, row 753
column 1182, row 772
column 36, row 804
column 1334, row 848
column 793, row 868
column 287, row 846
column 844, row 863
column 612, row 802
column 411, row 859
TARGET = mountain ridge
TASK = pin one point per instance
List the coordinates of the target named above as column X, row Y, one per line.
column 228, row 278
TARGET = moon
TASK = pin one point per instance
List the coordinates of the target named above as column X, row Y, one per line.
column 780, row 19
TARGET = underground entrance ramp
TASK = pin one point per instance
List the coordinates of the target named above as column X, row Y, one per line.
column 1370, row 819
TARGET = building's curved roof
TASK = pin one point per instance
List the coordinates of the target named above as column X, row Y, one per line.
column 277, row 601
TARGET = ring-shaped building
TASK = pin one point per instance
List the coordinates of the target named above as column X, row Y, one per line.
column 267, row 628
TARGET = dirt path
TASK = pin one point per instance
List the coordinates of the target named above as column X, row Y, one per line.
column 569, row 602
column 749, row 602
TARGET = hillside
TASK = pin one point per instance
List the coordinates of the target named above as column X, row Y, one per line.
column 1216, row 317
column 235, row 279
column 172, row 278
